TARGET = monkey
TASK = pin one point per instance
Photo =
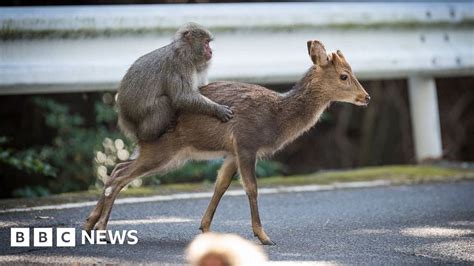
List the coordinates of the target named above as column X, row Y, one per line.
column 166, row 81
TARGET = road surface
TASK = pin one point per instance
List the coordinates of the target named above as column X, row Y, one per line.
column 430, row 223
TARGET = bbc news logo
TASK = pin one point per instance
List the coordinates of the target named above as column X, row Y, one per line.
column 66, row 237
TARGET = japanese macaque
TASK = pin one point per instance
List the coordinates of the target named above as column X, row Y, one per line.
column 166, row 81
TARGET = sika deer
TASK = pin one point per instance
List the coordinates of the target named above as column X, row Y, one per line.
column 264, row 122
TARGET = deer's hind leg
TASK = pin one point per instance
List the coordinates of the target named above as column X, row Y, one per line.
column 95, row 214
column 133, row 171
column 120, row 171
column 224, row 178
column 142, row 166
column 119, row 168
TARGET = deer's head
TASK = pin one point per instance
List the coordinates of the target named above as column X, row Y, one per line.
column 335, row 75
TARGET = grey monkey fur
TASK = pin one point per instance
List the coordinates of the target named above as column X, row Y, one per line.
column 165, row 81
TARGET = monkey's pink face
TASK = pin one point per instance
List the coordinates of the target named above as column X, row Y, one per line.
column 207, row 50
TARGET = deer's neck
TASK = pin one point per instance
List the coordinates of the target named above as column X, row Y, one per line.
column 301, row 107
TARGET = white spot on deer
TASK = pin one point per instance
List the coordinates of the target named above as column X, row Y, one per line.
column 108, row 191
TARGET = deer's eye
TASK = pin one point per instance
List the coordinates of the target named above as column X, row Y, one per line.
column 343, row 77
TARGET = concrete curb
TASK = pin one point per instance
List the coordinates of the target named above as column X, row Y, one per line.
column 202, row 195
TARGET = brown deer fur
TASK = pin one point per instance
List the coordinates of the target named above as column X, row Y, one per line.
column 264, row 122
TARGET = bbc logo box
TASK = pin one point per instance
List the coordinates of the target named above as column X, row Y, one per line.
column 20, row 237
column 43, row 237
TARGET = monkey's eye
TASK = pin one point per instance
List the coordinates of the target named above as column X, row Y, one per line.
column 343, row 77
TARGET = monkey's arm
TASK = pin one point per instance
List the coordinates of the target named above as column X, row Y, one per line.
column 187, row 99
column 198, row 103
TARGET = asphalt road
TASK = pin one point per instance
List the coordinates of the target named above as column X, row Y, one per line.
column 431, row 223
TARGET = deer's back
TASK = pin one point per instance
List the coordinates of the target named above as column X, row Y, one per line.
column 241, row 96
column 254, row 124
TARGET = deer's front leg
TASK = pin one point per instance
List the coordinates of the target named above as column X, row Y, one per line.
column 224, row 178
column 246, row 162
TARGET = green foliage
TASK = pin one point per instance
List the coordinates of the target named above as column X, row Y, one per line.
column 72, row 148
column 29, row 161
column 31, row 192
column 104, row 114
column 207, row 171
column 269, row 168
column 190, row 172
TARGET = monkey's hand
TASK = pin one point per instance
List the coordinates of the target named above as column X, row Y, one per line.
column 224, row 113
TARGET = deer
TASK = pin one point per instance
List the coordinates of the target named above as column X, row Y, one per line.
column 264, row 122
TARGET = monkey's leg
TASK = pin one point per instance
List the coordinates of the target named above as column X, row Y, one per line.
column 246, row 162
column 157, row 120
column 224, row 178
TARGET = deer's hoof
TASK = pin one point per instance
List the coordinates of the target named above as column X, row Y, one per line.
column 87, row 226
column 100, row 226
column 204, row 229
column 267, row 242
column 87, row 229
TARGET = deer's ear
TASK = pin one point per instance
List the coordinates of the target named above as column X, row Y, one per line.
column 317, row 52
column 338, row 58
column 339, row 53
column 309, row 43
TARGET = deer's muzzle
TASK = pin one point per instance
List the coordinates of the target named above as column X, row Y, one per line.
column 363, row 100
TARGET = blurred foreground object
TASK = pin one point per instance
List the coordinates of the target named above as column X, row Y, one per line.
column 211, row 249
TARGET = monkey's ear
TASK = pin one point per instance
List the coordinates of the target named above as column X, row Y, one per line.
column 317, row 52
column 187, row 35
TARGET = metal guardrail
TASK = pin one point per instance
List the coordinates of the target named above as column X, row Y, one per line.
column 232, row 16
column 89, row 48
column 49, row 49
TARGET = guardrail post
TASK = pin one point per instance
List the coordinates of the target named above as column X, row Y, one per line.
column 425, row 117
